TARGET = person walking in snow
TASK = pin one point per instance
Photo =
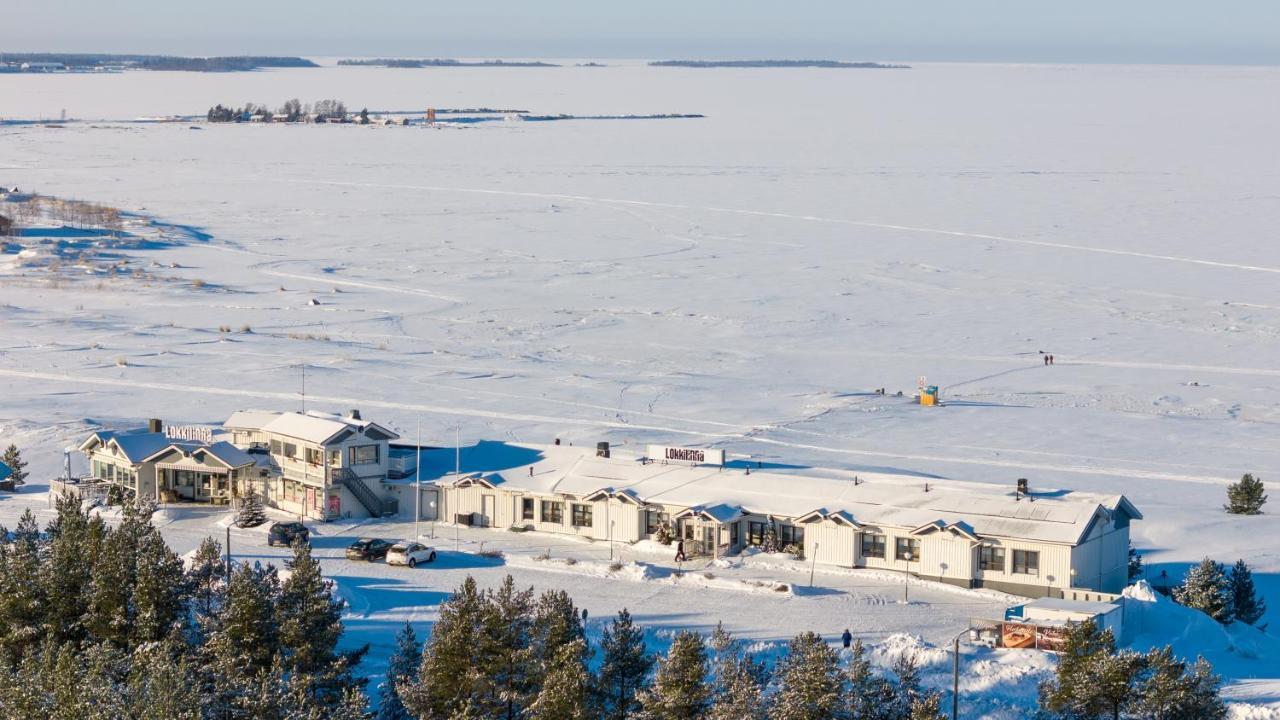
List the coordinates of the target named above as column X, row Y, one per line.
column 846, row 638
column 1046, row 359
column 680, row 551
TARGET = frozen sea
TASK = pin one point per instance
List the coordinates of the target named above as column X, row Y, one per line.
column 745, row 280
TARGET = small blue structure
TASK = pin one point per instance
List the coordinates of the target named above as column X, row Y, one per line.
column 5, row 472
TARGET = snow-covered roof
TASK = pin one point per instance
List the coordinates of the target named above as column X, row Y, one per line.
column 1081, row 607
column 903, row 501
column 135, row 445
column 311, row 426
column 225, row 452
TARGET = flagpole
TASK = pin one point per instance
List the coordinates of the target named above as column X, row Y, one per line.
column 417, row 482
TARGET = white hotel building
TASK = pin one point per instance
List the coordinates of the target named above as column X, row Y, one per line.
column 967, row 534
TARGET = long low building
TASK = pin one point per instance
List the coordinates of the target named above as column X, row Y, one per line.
column 1009, row 538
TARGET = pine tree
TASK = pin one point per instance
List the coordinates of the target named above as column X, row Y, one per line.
column 207, row 579
column 160, row 684
column 1207, row 588
column 1246, row 497
column 448, row 678
column 13, row 458
column 75, row 542
column 1249, row 607
column 160, row 589
column 22, row 600
column 679, row 690
column 811, row 684
column 310, row 624
column 251, row 513
column 868, row 696
column 928, row 707
column 624, row 667
column 566, row 692
column 770, row 543
column 556, row 623
column 1092, row 679
column 507, row 656
column 1135, row 564
column 402, row 671
column 738, row 692
column 1168, row 692
column 244, row 644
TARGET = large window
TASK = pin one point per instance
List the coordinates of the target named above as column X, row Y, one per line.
column 552, row 511
column 991, row 557
column 581, row 515
column 872, row 545
column 907, row 549
column 315, row 456
column 790, row 535
column 526, row 508
column 364, row 455
column 654, row 519
column 290, row 450
column 756, row 532
column 277, row 447
column 1026, row 562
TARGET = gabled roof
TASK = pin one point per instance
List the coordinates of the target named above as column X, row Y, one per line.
column 719, row 513
column 840, row 517
column 959, row 527
column 313, row 427
column 224, row 452
column 135, row 445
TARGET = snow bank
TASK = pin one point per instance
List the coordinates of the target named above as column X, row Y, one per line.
column 639, row 571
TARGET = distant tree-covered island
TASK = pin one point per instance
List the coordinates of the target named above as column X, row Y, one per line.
column 96, row 61
column 775, row 64
column 441, row 62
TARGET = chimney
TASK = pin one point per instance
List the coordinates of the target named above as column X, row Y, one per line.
column 602, row 449
column 1022, row 486
column 154, row 425
column 354, row 415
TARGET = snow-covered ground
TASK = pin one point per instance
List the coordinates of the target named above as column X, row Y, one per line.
column 745, row 280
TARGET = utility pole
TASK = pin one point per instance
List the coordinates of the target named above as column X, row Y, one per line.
column 304, row 387
column 417, row 482
column 814, row 565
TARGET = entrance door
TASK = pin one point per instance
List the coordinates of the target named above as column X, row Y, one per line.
column 487, row 504
column 709, row 539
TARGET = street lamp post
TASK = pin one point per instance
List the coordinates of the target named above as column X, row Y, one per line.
column 955, row 673
column 906, row 578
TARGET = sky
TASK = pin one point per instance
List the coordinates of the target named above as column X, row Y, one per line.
column 1089, row 31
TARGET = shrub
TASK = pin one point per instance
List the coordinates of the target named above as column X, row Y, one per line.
column 1246, row 497
column 615, row 566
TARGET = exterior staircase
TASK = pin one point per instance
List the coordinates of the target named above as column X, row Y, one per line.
column 377, row 507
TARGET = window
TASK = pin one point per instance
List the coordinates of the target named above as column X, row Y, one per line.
column 907, row 549
column 290, row 450
column 581, row 515
column 654, row 519
column 364, row 455
column 315, row 456
column 1026, row 562
column 552, row 512
column 872, row 545
column 991, row 558
column 755, row 532
column 277, row 448
column 335, row 458
column 733, row 534
column 790, row 535
column 526, row 508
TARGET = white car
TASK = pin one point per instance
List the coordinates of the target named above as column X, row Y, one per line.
column 407, row 552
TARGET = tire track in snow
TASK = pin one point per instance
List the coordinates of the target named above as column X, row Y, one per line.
column 819, row 219
column 526, row 417
column 365, row 285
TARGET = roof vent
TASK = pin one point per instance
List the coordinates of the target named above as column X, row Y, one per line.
column 354, row 415
column 154, row 425
column 602, row 449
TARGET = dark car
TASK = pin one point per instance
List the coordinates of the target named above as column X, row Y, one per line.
column 368, row 549
column 286, row 533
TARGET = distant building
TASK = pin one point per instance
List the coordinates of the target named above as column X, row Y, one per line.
column 43, row 66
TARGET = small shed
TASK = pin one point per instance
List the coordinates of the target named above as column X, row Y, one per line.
column 1058, row 611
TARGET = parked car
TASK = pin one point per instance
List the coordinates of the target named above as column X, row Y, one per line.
column 410, row 553
column 368, row 549
column 286, row 533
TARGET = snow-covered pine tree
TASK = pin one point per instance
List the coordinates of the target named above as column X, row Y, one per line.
column 114, row 571
column 1249, row 607
column 75, row 541
column 928, row 707
column 566, row 690
column 556, row 623
column 1092, row 679
column 810, row 679
column 251, row 513
column 22, row 603
column 160, row 684
column 1208, row 589
column 160, row 590
column 506, row 656
column 868, row 696
column 310, row 622
column 680, row 690
column 207, row 578
column 245, row 642
column 1168, row 690
column 770, row 543
column 1246, row 497
column 738, row 689
column 402, row 671
column 13, row 458
column 624, row 666
column 447, row 679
